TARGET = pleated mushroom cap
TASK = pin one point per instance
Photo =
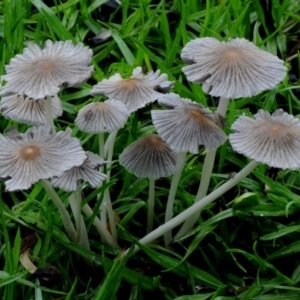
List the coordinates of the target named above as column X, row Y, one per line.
column 25, row 110
column 149, row 157
column 37, row 154
column 135, row 92
column 99, row 117
column 187, row 125
column 39, row 73
column 270, row 139
column 232, row 69
column 88, row 172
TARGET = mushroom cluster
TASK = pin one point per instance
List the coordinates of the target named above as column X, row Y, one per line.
column 38, row 75
column 229, row 70
column 29, row 95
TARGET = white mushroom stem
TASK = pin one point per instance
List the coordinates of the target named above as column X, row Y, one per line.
column 101, row 149
column 110, row 143
column 100, row 228
column 75, row 201
column 223, row 106
column 103, row 207
column 110, row 212
column 151, row 201
column 185, row 215
column 172, row 193
column 48, row 113
column 103, row 218
column 205, row 174
column 106, row 204
column 109, row 150
column 69, row 227
column 75, row 204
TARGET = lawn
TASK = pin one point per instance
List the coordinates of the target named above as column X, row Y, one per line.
column 225, row 225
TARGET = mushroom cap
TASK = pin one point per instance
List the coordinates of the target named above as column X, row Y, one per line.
column 135, row 92
column 37, row 154
column 149, row 157
column 270, row 139
column 187, row 125
column 39, row 73
column 99, row 117
column 25, row 110
column 69, row 180
column 232, row 69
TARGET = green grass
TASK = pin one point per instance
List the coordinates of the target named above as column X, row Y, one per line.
column 234, row 252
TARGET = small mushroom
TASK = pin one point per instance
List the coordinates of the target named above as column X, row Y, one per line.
column 149, row 157
column 100, row 117
column 270, row 139
column 25, row 110
column 135, row 92
column 87, row 171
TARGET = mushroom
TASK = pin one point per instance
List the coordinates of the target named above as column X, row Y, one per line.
column 100, row 117
column 184, row 126
column 70, row 181
column 37, row 154
column 38, row 73
column 149, row 157
column 232, row 69
column 187, row 124
column 25, row 110
column 135, row 92
column 71, row 178
column 272, row 139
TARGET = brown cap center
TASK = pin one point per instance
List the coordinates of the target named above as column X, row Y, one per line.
column 100, row 105
column 232, row 55
column 30, row 152
column 129, row 83
column 198, row 116
column 154, row 141
column 275, row 130
column 47, row 66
